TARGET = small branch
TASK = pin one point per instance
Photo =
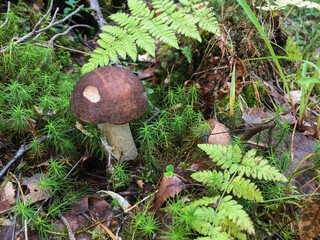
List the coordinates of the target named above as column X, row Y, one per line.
column 98, row 16
column 65, row 32
column 13, row 236
column 59, row 46
column 7, row 18
column 70, row 233
column 20, row 152
column 109, row 151
column 60, row 21
column 35, row 33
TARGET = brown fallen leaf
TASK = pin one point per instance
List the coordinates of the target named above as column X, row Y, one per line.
column 140, row 183
column 309, row 224
column 169, row 187
column 36, row 192
column 7, row 197
column 220, row 134
column 93, row 206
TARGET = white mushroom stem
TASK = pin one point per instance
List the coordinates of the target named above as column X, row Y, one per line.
column 119, row 137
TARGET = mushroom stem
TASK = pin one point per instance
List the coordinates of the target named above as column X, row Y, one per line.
column 119, row 137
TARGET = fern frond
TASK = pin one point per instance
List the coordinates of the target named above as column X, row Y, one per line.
column 239, row 186
column 124, row 20
column 206, row 18
column 99, row 57
column 257, row 167
column 205, row 201
column 214, row 179
column 178, row 20
column 139, row 9
column 141, row 27
column 116, row 31
column 234, row 212
column 231, row 158
column 230, row 227
column 244, row 188
column 161, row 31
column 144, row 40
column 124, row 44
column 184, row 24
column 164, row 6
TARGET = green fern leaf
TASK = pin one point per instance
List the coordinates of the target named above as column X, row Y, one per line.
column 231, row 158
column 164, row 6
column 113, row 30
column 231, row 228
column 205, row 201
column 139, row 8
column 244, row 188
column 144, row 40
column 234, row 212
column 125, row 20
column 214, row 179
column 161, row 31
column 184, row 24
column 257, row 167
column 187, row 52
column 206, row 18
column 88, row 67
column 129, row 45
column 179, row 20
column 211, row 178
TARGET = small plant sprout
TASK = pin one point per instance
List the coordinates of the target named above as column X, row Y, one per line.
column 169, row 171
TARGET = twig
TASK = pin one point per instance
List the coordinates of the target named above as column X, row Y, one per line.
column 59, row 46
column 109, row 151
column 20, row 152
column 7, row 18
column 13, row 236
column 35, row 33
column 65, row 221
column 65, row 32
column 94, row 5
column 60, row 21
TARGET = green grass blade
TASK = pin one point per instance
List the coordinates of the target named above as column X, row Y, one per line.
column 255, row 21
column 232, row 90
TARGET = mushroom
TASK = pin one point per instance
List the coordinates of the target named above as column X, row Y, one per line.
column 111, row 97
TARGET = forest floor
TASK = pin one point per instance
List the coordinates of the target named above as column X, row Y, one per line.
column 228, row 143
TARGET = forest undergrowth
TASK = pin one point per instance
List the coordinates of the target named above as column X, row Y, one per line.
column 228, row 145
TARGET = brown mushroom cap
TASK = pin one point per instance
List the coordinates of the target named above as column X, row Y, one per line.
column 109, row 95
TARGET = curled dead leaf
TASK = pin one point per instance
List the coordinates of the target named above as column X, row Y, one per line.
column 169, row 187
column 220, row 134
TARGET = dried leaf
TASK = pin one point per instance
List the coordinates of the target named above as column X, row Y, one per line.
column 309, row 224
column 97, row 207
column 220, row 134
column 147, row 73
column 121, row 201
column 10, row 193
column 7, row 198
column 169, row 187
column 36, row 192
column 140, row 183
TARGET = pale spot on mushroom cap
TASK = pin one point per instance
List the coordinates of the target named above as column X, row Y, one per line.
column 92, row 94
